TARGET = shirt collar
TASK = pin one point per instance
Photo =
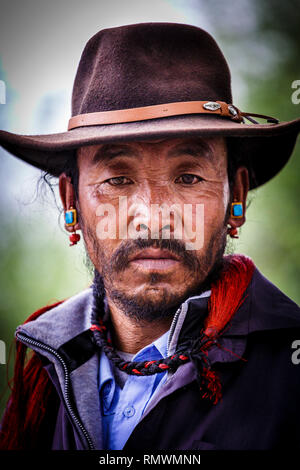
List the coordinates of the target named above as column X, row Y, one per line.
column 107, row 384
column 158, row 346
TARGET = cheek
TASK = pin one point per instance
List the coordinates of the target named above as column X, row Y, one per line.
column 93, row 224
column 91, row 203
column 88, row 209
column 226, row 196
column 214, row 211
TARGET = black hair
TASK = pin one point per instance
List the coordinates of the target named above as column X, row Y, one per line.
column 48, row 181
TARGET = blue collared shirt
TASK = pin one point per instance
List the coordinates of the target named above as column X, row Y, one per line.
column 122, row 408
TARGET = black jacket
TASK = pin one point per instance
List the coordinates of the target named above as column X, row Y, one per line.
column 260, row 407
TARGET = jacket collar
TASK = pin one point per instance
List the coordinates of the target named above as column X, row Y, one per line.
column 60, row 324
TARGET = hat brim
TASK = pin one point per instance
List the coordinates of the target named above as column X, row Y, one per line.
column 267, row 147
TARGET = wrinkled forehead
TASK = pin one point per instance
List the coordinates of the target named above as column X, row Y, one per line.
column 213, row 149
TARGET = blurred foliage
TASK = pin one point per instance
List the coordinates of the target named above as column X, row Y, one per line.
column 268, row 52
column 260, row 40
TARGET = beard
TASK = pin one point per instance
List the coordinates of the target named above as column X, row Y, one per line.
column 203, row 270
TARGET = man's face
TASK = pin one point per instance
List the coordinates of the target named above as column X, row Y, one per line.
column 187, row 172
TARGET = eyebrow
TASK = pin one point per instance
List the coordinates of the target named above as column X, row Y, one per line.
column 195, row 149
column 111, row 151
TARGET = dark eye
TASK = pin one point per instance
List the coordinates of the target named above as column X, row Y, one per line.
column 117, row 181
column 189, row 179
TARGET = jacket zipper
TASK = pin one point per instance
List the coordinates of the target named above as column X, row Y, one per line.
column 172, row 327
column 66, row 394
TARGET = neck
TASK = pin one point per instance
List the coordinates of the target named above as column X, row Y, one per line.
column 130, row 336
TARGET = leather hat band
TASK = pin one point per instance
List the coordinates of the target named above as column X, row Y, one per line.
column 159, row 111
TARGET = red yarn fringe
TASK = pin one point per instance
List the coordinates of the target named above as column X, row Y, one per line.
column 227, row 295
column 212, row 386
column 27, row 404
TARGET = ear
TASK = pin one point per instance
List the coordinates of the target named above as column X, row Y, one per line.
column 239, row 194
column 67, row 196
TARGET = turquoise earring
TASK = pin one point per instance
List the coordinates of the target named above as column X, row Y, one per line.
column 237, row 209
column 70, row 221
column 70, row 217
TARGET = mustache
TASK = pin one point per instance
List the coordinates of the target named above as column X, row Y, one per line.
column 120, row 259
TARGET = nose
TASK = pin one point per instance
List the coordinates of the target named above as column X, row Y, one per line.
column 156, row 220
column 153, row 211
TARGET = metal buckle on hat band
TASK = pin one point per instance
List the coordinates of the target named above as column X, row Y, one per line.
column 159, row 111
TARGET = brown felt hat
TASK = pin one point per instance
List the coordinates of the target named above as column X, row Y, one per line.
column 154, row 81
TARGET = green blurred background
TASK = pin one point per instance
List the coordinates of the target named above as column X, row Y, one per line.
column 40, row 46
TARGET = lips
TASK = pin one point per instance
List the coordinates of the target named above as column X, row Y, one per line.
column 152, row 253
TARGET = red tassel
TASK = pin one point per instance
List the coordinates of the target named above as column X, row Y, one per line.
column 212, row 386
column 27, row 404
column 227, row 293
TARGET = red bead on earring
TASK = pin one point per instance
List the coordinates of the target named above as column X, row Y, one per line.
column 233, row 233
column 74, row 238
